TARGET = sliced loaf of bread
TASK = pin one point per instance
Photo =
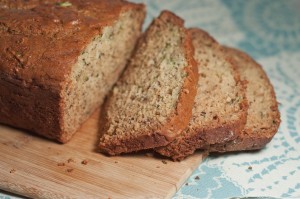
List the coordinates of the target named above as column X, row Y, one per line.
column 59, row 60
column 152, row 101
column 220, row 107
column 263, row 117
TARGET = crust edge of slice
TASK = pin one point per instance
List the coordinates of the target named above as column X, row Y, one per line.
column 200, row 137
column 246, row 141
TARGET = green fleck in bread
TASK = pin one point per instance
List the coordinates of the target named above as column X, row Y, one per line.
column 263, row 117
column 220, row 107
column 152, row 102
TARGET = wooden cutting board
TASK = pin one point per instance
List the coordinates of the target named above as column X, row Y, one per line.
column 36, row 167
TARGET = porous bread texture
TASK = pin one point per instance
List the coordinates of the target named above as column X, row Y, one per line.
column 98, row 68
column 263, row 117
column 152, row 101
column 219, row 111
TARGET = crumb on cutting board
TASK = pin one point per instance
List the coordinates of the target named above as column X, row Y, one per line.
column 84, row 162
column 70, row 160
column 164, row 162
column 250, row 167
column 12, row 171
column 69, row 170
column 197, row 178
column 61, row 164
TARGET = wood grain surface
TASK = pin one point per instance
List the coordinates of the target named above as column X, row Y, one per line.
column 36, row 167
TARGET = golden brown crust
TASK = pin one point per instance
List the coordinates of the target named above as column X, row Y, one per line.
column 132, row 144
column 207, row 38
column 181, row 117
column 170, row 17
column 34, row 40
column 241, row 144
column 20, row 107
column 202, row 139
column 199, row 137
column 177, row 120
column 187, row 145
column 40, row 43
column 248, row 139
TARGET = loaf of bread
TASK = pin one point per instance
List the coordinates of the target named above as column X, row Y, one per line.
column 263, row 117
column 152, row 101
column 59, row 60
column 220, row 108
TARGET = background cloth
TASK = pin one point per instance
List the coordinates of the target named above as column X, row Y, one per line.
column 268, row 30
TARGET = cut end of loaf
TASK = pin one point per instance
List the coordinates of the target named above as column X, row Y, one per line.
column 155, row 94
column 97, row 69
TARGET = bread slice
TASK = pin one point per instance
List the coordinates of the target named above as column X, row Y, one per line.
column 152, row 101
column 59, row 60
column 263, row 117
column 220, row 107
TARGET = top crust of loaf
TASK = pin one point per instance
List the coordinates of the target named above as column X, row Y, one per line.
column 203, row 129
column 40, row 41
column 157, row 132
column 263, row 122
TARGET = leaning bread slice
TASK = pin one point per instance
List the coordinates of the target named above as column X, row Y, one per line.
column 152, row 102
column 220, row 107
column 263, row 117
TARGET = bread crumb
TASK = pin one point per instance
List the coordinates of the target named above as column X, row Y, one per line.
column 61, row 164
column 12, row 171
column 186, row 184
column 85, row 162
column 228, row 99
column 186, row 91
column 69, row 170
column 116, row 162
column 70, row 160
column 197, row 178
column 158, row 167
column 250, row 167
column 165, row 162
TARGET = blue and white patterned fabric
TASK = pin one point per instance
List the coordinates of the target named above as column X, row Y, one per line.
column 269, row 30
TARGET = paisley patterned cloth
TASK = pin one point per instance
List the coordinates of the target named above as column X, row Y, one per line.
column 269, row 30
